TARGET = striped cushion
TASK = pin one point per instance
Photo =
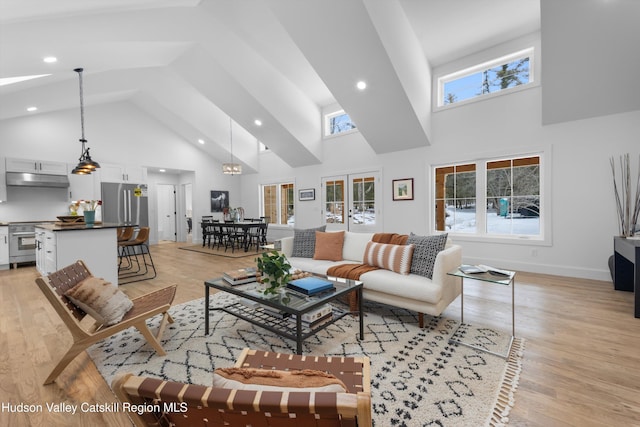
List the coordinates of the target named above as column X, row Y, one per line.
column 396, row 258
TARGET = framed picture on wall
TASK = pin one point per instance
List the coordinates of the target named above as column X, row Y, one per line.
column 403, row 189
column 307, row 194
column 219, row 200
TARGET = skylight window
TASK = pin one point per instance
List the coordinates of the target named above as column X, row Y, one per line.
column 337, row 123
column 491, row 77
column 11, row 80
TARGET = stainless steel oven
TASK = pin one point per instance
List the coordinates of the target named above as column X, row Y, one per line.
column 22, row 243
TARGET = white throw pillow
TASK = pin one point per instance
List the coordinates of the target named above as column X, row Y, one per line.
column 354, row 245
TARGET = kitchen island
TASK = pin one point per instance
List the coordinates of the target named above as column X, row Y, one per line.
column 60, row 245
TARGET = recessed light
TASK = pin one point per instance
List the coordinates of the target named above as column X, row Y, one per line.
column 30, row 109
column 258, row 122
column 201, row 141
column 163, row 170
column 361, row 85
column 50, row 59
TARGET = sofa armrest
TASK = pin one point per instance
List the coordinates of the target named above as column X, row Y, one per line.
column 286, row 246
column 447, row 260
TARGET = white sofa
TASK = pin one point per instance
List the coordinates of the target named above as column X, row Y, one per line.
column 411, row 291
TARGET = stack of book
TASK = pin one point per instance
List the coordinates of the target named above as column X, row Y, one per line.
column 310, row 285
column 241, row 276
column 315, row 317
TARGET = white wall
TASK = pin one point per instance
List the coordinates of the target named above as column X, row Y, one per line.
column 582, row 204
column 583, row 220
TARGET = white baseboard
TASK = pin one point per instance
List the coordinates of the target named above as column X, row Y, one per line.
column 555, row 270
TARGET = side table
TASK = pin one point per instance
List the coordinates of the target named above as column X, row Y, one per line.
column 498, row 280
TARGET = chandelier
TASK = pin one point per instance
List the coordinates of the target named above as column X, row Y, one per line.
column 85, row 164
column 231, row 168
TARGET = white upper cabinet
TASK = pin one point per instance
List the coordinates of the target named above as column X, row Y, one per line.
column 121, row 173
column 36, row 166
column 84, row 187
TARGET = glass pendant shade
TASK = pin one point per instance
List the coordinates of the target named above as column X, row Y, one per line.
column 231, row 168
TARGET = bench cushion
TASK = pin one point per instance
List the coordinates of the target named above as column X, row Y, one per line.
column 276, row 380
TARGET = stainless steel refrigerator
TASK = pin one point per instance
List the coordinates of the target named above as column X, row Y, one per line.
column 125, row 204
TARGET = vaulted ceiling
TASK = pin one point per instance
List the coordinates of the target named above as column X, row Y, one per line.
column 193, row 64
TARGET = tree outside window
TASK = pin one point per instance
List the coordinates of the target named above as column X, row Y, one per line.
column 512, row 197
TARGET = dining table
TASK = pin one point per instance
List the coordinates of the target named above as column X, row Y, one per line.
column 244, row 226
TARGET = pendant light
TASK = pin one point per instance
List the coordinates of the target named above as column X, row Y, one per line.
column 85, row 164
column 231, row 168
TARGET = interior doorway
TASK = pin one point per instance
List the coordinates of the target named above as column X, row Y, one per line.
column 167, row 212
column 188, row 210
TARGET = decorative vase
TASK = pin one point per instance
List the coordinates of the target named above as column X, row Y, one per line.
column 89, row 217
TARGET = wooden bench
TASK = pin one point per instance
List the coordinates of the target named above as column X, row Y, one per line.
column 154, row 402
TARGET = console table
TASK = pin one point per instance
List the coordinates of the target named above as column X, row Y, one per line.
column 625, row 272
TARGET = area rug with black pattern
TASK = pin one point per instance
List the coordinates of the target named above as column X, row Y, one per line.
column 418, row 378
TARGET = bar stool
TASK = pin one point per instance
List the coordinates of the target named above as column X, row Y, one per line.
column 124, row 234
column 132, row 250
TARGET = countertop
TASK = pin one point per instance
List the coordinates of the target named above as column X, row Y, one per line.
column 82, row 226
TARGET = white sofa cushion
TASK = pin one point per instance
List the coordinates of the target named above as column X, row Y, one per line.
column 409, row 286
column 317, row 266
column 354, row 245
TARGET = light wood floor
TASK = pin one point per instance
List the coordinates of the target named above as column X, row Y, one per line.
column 581, row 362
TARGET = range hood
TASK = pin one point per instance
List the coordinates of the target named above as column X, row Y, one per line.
column 20, row 179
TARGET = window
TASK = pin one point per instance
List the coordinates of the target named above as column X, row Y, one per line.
column 456, row 198
column 278, row 203
column 364, row 200
column 338, row 122
column 490, row 77
column 334, row 213
column 509, row 189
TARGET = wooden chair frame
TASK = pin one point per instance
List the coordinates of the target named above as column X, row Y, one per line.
column 86, row 333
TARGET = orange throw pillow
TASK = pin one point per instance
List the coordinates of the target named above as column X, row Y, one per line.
column 329, row 246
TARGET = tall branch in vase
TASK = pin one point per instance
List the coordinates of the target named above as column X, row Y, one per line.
column 628, row 209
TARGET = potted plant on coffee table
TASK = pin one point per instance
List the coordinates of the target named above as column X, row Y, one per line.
column 274, row 271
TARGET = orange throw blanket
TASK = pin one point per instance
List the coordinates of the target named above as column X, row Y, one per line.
column 354, row 271
column 350, row 271
column 390, row 238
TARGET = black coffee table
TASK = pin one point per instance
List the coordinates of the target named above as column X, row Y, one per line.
column 289, row 302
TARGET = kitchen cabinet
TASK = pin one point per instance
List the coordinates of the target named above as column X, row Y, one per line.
column 3, row 181
column 4, row 247
column 62, row 246
column 84, row 187
column 121, row 173
column 36, row 166
column 40, row 251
